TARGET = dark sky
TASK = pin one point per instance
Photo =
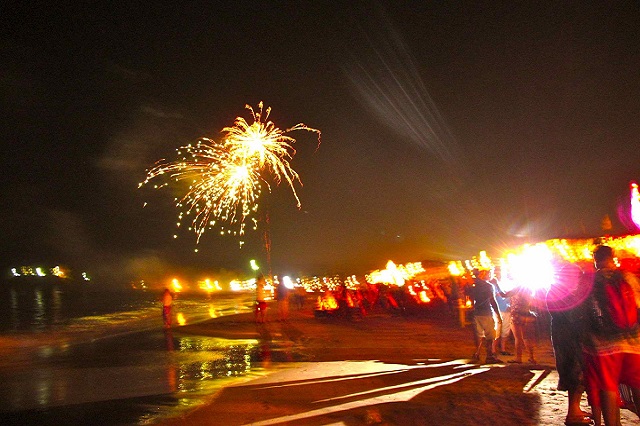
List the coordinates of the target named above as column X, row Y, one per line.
column 445, row 129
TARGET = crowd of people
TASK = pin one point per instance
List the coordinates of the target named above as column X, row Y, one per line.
column 594, row 330
column 593, row 311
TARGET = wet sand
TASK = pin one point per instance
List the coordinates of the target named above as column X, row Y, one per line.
column 382, row 369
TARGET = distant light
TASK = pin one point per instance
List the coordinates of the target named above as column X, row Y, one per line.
column 181, row 319
column 15, row 272
column 485, row 261
column 455, row 268
column 235, row 285
column 395, row 274
column 288, row 283
column 254, row 265
column 40, row 272
column 58, row 272
column 208, row 286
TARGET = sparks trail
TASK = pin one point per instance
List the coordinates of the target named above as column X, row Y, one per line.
column 225, row 178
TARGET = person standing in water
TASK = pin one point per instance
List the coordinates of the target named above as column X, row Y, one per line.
column 167, row 301
column 261, row 300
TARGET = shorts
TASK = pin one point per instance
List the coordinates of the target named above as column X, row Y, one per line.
column 506, row 325
column 485, row 327
column 605, row 372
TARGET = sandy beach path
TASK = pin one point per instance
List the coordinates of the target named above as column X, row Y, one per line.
column 381, row 369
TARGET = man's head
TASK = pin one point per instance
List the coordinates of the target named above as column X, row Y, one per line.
column 603, row 257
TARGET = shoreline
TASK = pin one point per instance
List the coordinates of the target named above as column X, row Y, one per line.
column 379, row 369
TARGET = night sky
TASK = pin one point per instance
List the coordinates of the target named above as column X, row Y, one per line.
column 446, row 130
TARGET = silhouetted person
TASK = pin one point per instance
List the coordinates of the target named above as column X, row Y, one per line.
column 167, row 301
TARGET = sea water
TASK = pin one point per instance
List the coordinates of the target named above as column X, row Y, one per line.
column 27, row 306
column 91, row 348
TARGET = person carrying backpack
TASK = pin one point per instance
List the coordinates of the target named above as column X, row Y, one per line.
column 612, row 338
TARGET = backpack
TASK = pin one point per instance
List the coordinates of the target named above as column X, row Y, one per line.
column 618, row 309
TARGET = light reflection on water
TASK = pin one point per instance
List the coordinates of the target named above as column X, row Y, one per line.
column 59, row 360
column 199, row 366
column 37, row 308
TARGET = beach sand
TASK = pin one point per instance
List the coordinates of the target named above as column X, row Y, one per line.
column 380, row 369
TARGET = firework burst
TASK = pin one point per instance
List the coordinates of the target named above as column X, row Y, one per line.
column 263, row 144
column 225, row 179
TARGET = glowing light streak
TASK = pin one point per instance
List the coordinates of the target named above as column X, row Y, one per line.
column 635, row 204
column 388, row 82
column 254, row 265
column 238, row 285
column 57, row 272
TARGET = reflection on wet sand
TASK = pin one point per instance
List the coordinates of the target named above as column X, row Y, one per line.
column 137, row 370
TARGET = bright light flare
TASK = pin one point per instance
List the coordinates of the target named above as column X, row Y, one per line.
column 570, row 288
column 532, row 267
